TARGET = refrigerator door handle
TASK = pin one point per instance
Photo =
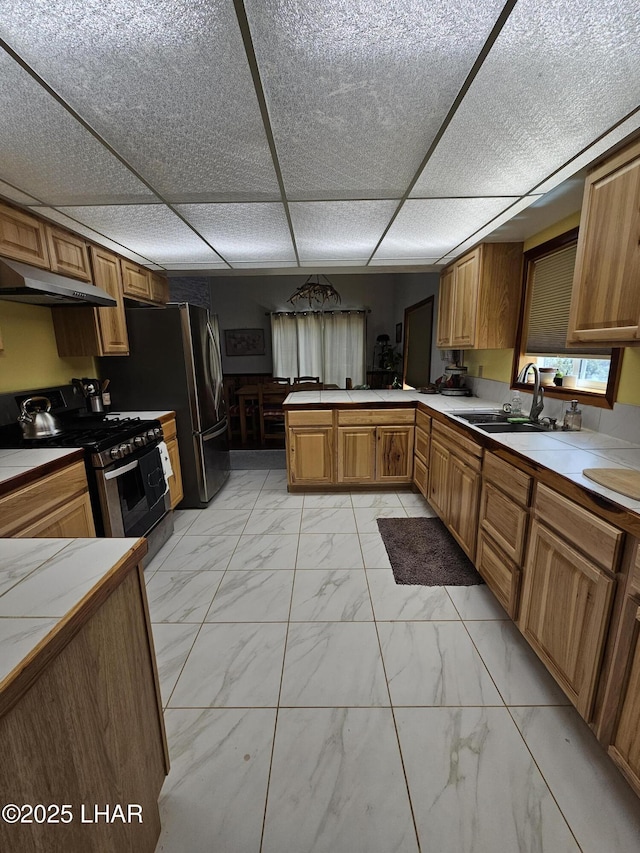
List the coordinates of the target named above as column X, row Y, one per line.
column 215, row 367
column 207, row 436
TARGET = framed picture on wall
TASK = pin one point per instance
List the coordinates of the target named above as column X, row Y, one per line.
column 244, row 341
column 398, row 333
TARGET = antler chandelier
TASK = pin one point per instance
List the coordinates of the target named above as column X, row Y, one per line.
column 316, row 292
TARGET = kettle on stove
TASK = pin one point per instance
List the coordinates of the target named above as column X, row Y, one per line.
column 39, row 422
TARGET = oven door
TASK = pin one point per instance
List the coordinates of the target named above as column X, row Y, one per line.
column 133, row 496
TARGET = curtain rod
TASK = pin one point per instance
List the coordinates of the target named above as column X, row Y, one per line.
column 293, row 313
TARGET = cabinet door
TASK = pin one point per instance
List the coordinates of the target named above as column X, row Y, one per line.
column 68, row 254
column 72, row 520
column 438, row 494
column 465, row 301
column 445, row 306
column 625, row 743
column 464, row 491
column 159, row 289
column 504, row 521
column 23, row 237
column 136, row 281
column 112, row 324
column 502, row 576
column 175, row 482
column 356, row 454
column 311, row 455
column 394, row 454
column 566, row 601
column 420, row 475
column 605, row 304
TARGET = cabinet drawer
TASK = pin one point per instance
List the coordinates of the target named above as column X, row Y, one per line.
column 420, row 474
column 594, row 537
column 457, row 443
column 21, row 508
column 501, row 575
column 421, row 447
column 508, row 478
column 504, row 521
column 310, row 418
column 423, row 421
column 375, row 417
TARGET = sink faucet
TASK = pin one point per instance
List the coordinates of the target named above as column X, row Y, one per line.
column 537, row 404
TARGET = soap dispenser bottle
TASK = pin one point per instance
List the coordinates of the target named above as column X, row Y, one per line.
column 573, row 417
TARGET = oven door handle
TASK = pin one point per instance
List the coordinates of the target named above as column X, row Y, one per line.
column 111, row 475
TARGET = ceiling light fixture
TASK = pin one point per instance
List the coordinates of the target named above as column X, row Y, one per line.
column 316, row 292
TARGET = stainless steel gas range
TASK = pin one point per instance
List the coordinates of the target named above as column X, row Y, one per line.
column 129, row 493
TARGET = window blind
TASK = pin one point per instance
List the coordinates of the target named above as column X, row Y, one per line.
column 551, row 280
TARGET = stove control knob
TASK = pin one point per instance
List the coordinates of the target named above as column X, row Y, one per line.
column 150, row 434
column 114, row 453
column 157, row 432
column 140, row 440
column 124, row 449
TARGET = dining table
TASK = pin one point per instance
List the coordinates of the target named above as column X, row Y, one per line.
column 249, row 393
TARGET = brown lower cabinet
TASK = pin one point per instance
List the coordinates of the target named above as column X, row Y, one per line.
column 170, row 434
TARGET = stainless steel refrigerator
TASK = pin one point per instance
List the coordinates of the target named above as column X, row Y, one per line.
column 175, row 363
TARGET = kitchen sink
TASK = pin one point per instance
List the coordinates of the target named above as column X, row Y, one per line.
column 478, row 418
column 507, row 427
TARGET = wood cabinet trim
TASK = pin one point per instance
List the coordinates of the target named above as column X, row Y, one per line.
column 375, row 417
column 309, row 418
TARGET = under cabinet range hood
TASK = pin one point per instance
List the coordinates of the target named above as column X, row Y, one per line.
column 24, row 283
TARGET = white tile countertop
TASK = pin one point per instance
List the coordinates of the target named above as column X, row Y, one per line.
column 41, row 581
column 566, row 453
column 14, row 462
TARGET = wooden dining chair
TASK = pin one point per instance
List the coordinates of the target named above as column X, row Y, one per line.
column 298, row 379
column 233, row 414
column 306, row 386
column 271, row 396
column 280, row 380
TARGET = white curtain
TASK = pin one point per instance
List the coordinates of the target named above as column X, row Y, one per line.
column 331, row 346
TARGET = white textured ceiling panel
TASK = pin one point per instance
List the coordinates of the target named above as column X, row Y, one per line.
column 430, row 228
column 7, row 191
column 165, row 82
column 561, row 73
column 47, row 154
column 246, row 233
column 490, row 227
column 339, row 230
column 151, row 230
column 357, row 90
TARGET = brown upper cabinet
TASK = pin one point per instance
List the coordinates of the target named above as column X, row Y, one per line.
column 68, row 254
column 605, row 302
column 480, row 297
column 83, row 330
column 23, row 237
column 159, row 289
column 136, row 281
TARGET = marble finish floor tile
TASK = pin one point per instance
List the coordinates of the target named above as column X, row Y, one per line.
column 329, row 551
column 181, row 596
column 274, row 521
column 337, row 784
column 328, row 520
column 340, row 595
column 434, row 663
column 342, row 499
column 516, row 670
column 476, row 602
column 184, row 518
column 214, row 796
column 417, row 511
column 151, row 566
column 239, row 498
column 599, row 806
column 219, row 522
column 371, row 499
column 172, row 642
column 374, row 553
column 393, row 601
column 275, row 480
column 252, row 596
column 200, row 553
column 474, row 785
column 268, row 499
column 412, row 499
column 331, row 664
column 246, row 477
column 265, row 552
column 233, row 665
column 366, row 517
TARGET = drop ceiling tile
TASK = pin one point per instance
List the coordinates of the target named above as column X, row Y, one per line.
column 152, row 230
column 357, row 91
column 196, row 266
column 428, row 228
column 166, row 83
column 339, row 230
column 484, row 232
column 243, row 232
column 560, row 74
column 404, row 262
column 14, row 194
column 49, row 154
column 263, row 264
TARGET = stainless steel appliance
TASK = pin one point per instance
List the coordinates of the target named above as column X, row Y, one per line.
column 36, row 420
column 175, row 364
column 128, row 489
column 23, row 283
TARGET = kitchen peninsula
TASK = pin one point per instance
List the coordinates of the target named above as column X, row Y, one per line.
column 560, row 552
column 81, row 722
